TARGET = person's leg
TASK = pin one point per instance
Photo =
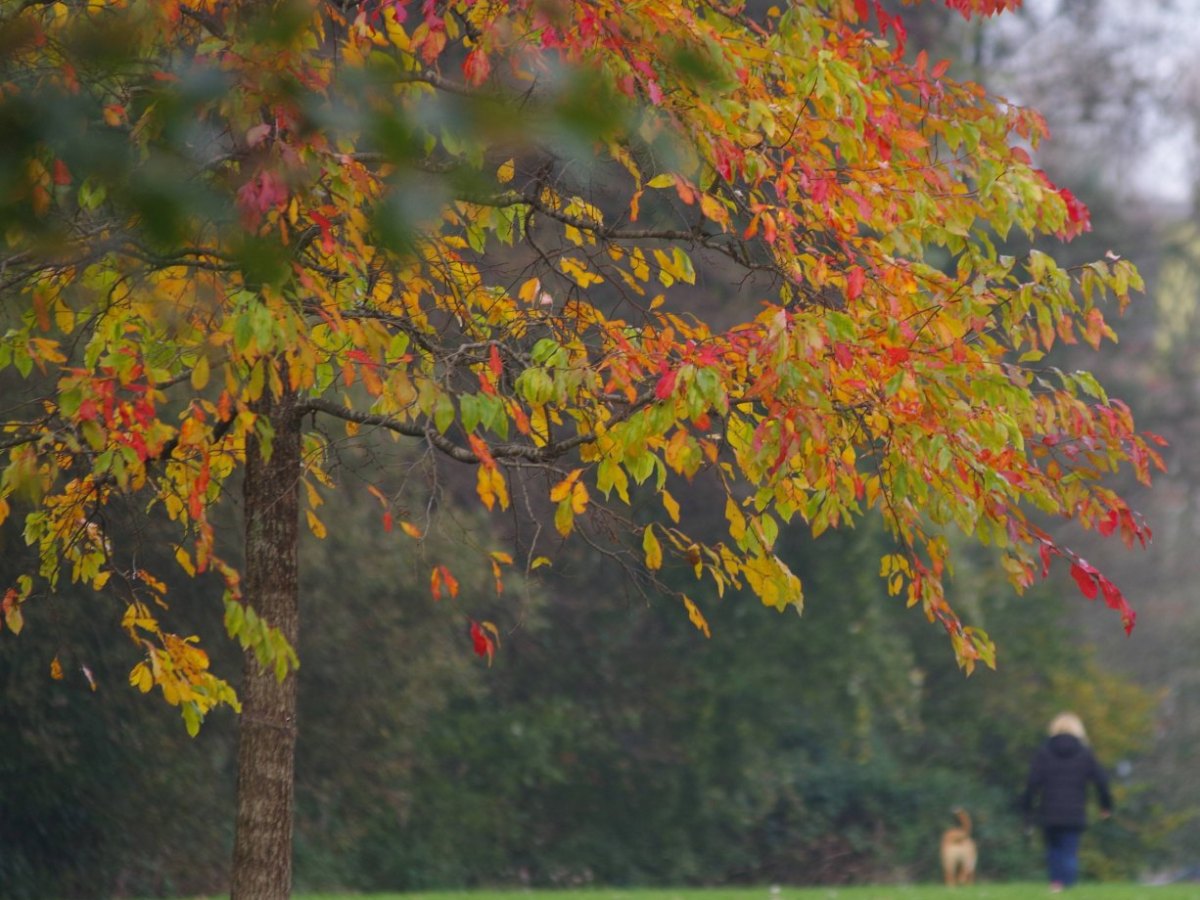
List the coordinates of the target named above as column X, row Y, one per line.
column 1069, row 844
column 1055, row 866
column 1062, row 855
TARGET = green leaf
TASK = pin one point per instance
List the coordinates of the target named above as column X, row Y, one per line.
column 443, row 412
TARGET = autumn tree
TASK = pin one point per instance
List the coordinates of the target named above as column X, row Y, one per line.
column 236, row 234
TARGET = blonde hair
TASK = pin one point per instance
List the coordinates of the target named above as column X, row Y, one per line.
column 1068, row 723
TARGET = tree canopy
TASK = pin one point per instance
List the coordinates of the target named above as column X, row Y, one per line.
column 487, row 227
column 598, row 251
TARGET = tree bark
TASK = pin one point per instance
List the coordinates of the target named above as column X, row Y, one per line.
column 262, row 853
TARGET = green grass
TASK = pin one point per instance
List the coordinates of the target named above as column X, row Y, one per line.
column 882, row 892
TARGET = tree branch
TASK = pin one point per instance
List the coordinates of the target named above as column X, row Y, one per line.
column 510, row 451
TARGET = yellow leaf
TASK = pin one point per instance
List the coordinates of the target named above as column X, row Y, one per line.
column 141, row 678
column 504, row 174
column 491, row 628
column 491, row 487
column 185, row 561
column 530, row 289
column 665, row 180
column 315, row 525
column 670, row 505
column 539, row 562
column 14, row 619
column 563, row 489
column 907, row 140
column 696, row 617
column 411, row 530
column 579, row 498
column 498, row 575
column 501, row 557
column 737, row 522
column 149, row 580
column 56, row 671
column 314, row 499
column 201, row 373
column 564, row 518
column 395, row 32
column 713, row 210
column 638, row 265
column 483, row 487
column 64, row 318
column 652, row 549
column 578, row 272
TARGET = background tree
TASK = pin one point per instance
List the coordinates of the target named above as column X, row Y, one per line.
column 1125, row 133
column 244, row 220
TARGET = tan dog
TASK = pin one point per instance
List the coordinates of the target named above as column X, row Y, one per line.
column 959, row 853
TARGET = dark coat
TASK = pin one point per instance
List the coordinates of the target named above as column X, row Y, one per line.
column 1058, row 781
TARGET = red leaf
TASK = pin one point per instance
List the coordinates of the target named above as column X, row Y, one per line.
column 62, row 175
column 854, row 283
column 984, row 7
column 449, row 581
column 262, row 193
column 476, row 67
column 494, row 362
column 482, row 643
column 326, row 231
column 842, row 352
column 666, row 385
column 1085, row 577
column 1078, row 218
column 1116, row 600
column 1045, row 552
column 480, row 448
column 770, row 234
column 1109, row 523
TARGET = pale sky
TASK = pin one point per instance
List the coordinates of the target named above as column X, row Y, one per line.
column 1136, row 65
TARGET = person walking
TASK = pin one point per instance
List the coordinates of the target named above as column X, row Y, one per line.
column 1056, row 793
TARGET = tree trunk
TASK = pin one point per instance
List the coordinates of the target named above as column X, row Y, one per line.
column 262, row 852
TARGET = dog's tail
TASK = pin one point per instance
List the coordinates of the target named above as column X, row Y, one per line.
column 964, row 820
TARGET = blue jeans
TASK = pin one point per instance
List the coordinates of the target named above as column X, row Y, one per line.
column 1062, row 853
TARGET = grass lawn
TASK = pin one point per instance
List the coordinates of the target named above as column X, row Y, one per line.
column 883, row 892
